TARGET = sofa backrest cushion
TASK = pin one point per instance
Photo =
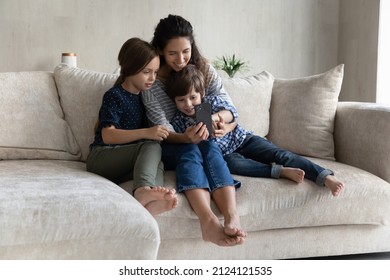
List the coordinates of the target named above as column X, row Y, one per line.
column 303, row 112
column 81, row 92
column 252, row 98
column 32, row 122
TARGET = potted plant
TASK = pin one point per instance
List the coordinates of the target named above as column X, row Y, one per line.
column 230, row 64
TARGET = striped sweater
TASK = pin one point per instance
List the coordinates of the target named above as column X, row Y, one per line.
column 160, row 108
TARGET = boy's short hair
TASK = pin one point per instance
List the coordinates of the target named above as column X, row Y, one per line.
column 180, row 83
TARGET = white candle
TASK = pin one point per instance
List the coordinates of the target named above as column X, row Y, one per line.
column 70, row 59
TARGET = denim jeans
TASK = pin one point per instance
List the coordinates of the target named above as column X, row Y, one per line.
column 258, row 157
column 197, row 166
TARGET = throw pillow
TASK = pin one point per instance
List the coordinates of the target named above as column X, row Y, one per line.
column 81, row 92
column 303, row 112
column 32, row 122
column 252, row 98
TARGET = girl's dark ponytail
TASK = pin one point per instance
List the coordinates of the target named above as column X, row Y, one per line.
column 120, row 79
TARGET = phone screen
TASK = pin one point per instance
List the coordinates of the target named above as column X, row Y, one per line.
column 203, row 114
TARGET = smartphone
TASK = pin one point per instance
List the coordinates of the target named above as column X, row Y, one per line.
column 203, row 114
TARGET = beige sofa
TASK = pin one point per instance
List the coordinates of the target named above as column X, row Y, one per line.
column 51, row 208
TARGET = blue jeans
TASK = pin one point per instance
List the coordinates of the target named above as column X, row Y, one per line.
column 258, row 157
column 197, row 166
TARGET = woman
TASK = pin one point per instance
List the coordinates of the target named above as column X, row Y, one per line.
column 201, row 172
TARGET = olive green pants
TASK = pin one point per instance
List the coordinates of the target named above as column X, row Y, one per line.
column 140, row 162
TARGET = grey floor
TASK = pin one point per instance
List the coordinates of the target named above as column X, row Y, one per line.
column 372, row 256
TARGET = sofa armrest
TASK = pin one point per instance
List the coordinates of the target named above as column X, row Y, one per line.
column 362, row 137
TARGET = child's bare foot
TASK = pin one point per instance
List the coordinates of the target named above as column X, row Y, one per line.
column 148, row 194
column 160, row 206
column 294, row 174
column 213, row 231
column 156, row 199
column 232, row 227
column 334, row 185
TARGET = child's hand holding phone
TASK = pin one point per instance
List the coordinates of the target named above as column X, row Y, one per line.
column 203, row 114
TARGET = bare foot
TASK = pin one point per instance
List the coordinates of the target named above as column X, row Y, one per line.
column 156, row 199
column 294, row 174
column 334, row 185
column 147, row 194
column 232, row 227
column 160, row 206
column 213, row 231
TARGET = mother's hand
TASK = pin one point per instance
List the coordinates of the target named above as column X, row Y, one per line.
column 197, row 133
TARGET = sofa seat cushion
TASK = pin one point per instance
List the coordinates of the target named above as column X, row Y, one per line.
column 56, row 209
column 278, row 203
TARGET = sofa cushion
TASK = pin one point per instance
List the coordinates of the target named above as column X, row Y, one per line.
column 81, row 92
column 54, row 209
column 303, row 112
column 32, row 122
column 265, row 204
column 252, row 97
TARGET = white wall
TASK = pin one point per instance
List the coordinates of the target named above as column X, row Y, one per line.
column 383, row 88
column 358, row 48
column 286, row 37
column 289, row 38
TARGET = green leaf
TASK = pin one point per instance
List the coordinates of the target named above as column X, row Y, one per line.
column 230, row 64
